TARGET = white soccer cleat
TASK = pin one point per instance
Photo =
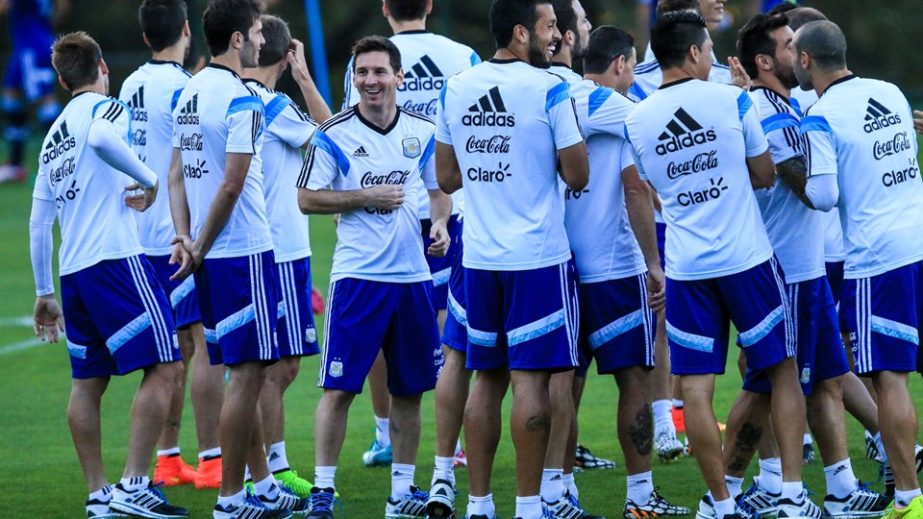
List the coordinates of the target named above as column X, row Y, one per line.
column 668, row 446
column 441, row 502
column 862, row 502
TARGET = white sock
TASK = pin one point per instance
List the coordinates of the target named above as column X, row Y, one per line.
column 136, row 483
column 481, row 505
column 382, row 431
column 277, row 459
column 323, row 476
column 210, row 453
column 103, row 494
column 267, row 487
column 807, row 439
column 734, row 485
column 841, row 481
column 444, row 468
column 902, row 498
column 529, row 507
column 723, row 508
column 640, row 486
column 663, row 416
column 234, row 500
column 677, row 403
column 882, row 454
column 770, row 478
column 401, row 479
column 570, row 485
column 247, row 475
column 792, row 490
column 458, row 447
column 552, row 485
column 168, row 452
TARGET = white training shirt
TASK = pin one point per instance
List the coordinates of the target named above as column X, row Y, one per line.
column 506, row 120
column 287, row 130
column 862, row 131
column 691, row 141
column 152, row 92
column 649, row 76
column 95, row 223
column 793, row 227
column 349, row 153
column 217, row 114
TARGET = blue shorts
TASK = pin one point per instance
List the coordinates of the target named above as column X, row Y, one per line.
column 616, row 324
column 440, row 268
column 883, row 315
column 455, row 330
column 835, row 278
column 29, row 70
column 524, row 320
column 661, row 243
column 182, row 294
column 364, row 317
column 821, row 355
column 297, row 335
column 117, row 319
column 698, row 313
column 239, row 298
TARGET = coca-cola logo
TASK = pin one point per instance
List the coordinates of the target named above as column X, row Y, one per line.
column 428, row 109
column 897, row 144
column 493, row 144
column 191, row 142
column 699, row 163
column 65, row 170
column 394, row 178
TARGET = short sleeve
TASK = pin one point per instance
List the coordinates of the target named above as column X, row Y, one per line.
column 288, row 123
column 820, row 145
column 323, row 162
column 244, row 118
column 428, row 164
column 443, row 134
column 350, row 94
column 783, row 135
column 562, row 116
column 626, row 155
column 606, row 112
column 754, row 139
column 474, row 58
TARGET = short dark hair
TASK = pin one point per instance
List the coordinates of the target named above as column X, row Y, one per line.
column 507, row 14
column 223, row 18
column 607, row 43
column 75, row 57
column 754, row 38
column 406, row 10
column 671, row 6
column 565, row 15
column 378, row 44
column 162, row 22
column 825, row 42
column 673, row 34
column 277, row 38
column 802, row 15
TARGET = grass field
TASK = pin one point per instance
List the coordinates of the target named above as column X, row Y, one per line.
column 40, row 476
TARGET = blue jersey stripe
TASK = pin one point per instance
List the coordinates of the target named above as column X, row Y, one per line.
column 275, row 107
column 778, row 122
column 558, row 93
column 245, row 103
column 598, row 98
column 743, row 104
column 813, row 123
column 428, row 151
column 322, row 141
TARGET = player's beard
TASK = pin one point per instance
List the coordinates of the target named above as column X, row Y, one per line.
column 802, row 76
column 787, row 78
column 249, row 55
column 536, row 54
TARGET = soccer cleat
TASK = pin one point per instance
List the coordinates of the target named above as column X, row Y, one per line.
column 286, row 503
column 565, row 508
column 441, row 503
column 409, row 506
column 299, row 486
column 758, row 500
column 99, row 508
column 321, row 503
column 461, row 459
column 911, row 511
column 586, row 460
column 172, row 471
column 804, row 508
column 12, row 173
column 706, row 508
column 377, row 455
column 250, row 508
column 656, row 506
column 862, row 502
column 871, row 448
column 668, row 446
column 208, row 475
column 145, row 502
column 679, row 419
column 807, row 453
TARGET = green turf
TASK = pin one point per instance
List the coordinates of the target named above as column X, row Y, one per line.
column 40, row 477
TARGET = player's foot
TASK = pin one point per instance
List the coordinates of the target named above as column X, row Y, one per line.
column 409, row 506
column 586, row 460
column 290, row 479
column 656, row 506
column 441, row 502
column 321, row 503
column 913, row 510
column 377, row 455
column 208, row 475
column 862, row 502
column 807, row 453
column 99, row 508
column 802, row 508
column 461, row 459
column 568, row 507
column 12, row 173
column 871, row 449
column 761, row 502
column 286, row 503
column 145, row 502
column 668, row 446
column 706, row 508
column 172, row 471
column 679, row 419
column 251, row 508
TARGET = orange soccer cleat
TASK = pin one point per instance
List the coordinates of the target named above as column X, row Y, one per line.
column 172, row 471
column 679, row 419
column 209, row 473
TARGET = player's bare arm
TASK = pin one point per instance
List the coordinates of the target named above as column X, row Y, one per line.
column 448, row 173
column 574, row 166
column 179, row 210
column 440, row 209
column 317, row 107
column 762, row 171
column 323, row 201
column 918, row 121
column 794, row 172
column 236, row 167
column 638, row 202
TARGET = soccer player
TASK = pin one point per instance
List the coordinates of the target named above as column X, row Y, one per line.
column 118, row 317
column 694, row 141
column 519, row 282
column 29, row 79
column 374, row 156
column 151, row 92
column 223, row 236
column 428, row 60
column 862, row 158
column 287, row 130
column 765, row 50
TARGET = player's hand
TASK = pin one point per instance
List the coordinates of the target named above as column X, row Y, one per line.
column 384, row 196
column 656, row 289
column 441, row 240
column 918, row 121
column 141, row 201
column 182, row 255
column 297, row 61
column 739, row 76
column 47, row 319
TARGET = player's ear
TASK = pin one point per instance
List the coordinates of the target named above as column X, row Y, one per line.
column 695, row 53
column 63, row 84
column 429, row 7
column 187, row 32
column 384, row 9
column 103, row 68
column 399, row 75
column 764, row 62
column 146, row 41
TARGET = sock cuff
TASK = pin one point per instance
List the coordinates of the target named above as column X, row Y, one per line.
column 210, row 453
column 528, row 500
column 635, row 478
column 480, row 499
column 174, row 451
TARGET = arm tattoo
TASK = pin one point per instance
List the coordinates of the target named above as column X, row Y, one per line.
column 642, row 431
column 794, row 172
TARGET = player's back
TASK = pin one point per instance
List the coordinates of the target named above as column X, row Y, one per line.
column 152, row 92
column 88, row 193
column 649, row 76
column 693, row 138
column 215, row 115
column 874, row 148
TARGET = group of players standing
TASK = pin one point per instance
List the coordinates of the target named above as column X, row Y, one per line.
column 561, row 262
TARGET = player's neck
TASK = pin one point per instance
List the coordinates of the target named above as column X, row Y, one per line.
column 407, row 25
column 229, row 60
column 674, row 74
column 175, row 54
column 606, row 81
column 563, row 57
column 514, row 53
column 380, row 116
column 99, row 87
column 771, row 82
column 822, row 81
column 267, row 76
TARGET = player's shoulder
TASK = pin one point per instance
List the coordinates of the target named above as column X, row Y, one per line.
column 339, row 122
column 647, row 67
column 769, row 102
column 417, row 120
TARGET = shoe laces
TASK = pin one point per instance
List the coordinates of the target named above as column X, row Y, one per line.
column 322, row 500
column 417, row 494
column 572, row 499
column 253, row 501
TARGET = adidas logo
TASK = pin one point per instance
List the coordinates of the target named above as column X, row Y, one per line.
column 424, row 75
column 136, row 103
column 489, row 111
column 61, row 141
column 360, row 152
column 879, row 117
column 683, row 132
column 189, row 114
